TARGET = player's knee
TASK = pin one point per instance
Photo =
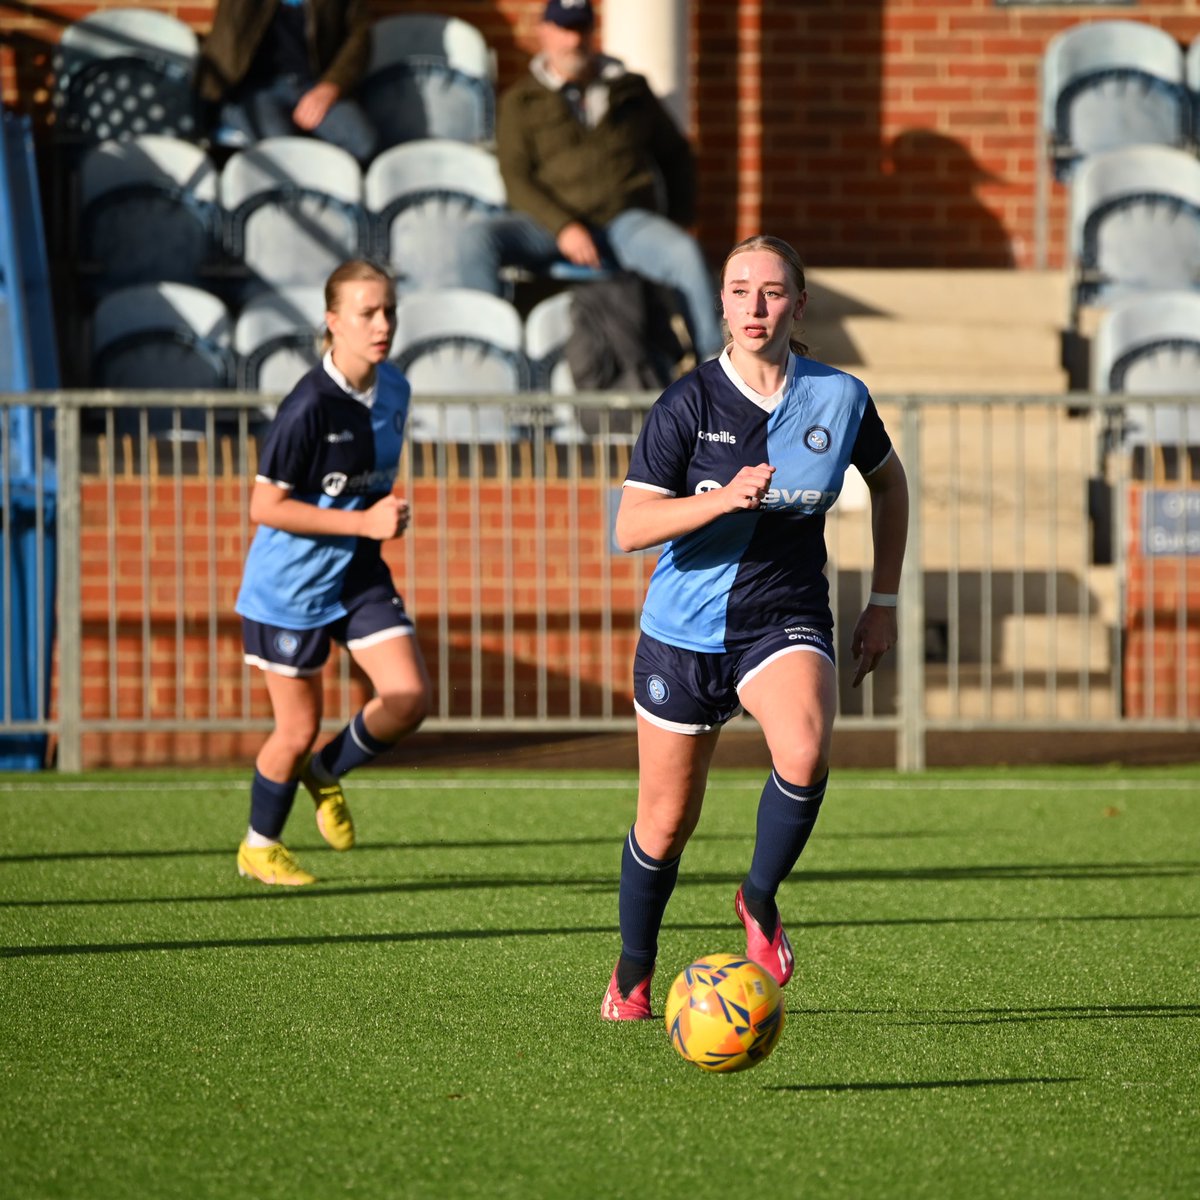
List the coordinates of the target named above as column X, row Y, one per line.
column 664, row 834
column 407, row 707
column 801, row 765
column 297, row 737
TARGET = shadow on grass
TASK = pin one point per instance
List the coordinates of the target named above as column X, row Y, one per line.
column 971, row 1016
column 476, row 844
column 1060, row 873
column 1064, row 1012
column 920, row 1085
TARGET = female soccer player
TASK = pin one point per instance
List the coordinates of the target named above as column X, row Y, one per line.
column 324, row 505
column 732, row 474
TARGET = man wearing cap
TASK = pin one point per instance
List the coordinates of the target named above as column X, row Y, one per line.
column 597, row 173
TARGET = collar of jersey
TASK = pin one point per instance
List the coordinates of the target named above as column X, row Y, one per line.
column 766, row 403
column 367, row 397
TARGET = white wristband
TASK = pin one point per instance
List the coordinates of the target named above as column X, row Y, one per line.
column 883, row 599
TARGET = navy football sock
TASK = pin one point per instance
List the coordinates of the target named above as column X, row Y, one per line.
column 646, row 886
column 270, row 803
column 787, row 813
column 353, row 747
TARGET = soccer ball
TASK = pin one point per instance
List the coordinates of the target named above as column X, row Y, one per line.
column 724, row 1013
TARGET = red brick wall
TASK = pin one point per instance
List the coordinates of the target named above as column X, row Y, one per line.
column 1162, row 628
column 161, row 640
column 869, row 132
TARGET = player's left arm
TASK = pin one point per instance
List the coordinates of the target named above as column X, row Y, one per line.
column 876, row 632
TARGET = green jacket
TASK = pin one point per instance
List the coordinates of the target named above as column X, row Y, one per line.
column 558, row 170
column 339, row 43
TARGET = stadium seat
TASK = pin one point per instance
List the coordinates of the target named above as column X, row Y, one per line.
column 420, row 196
column 275, row 337
column 1109, row 84
column 547, row 328
column 294, row 209
column 121, row 72
column 429, row 76
column 1150, row 346
column 1191, row 68
column 161, row 335
column 148, row 209
column 459, row 341
column 1135, row 223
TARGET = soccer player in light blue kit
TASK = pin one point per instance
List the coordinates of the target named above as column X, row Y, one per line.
column 324, row 506
column 732, row 475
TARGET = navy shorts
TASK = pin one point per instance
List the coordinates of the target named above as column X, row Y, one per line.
column 374, row 616
column 690, row 691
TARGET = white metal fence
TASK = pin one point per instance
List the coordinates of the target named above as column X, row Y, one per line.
column 1053, row 577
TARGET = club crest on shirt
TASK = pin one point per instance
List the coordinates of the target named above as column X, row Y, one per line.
column 818, row 439
column 657, row 688
column 334, row 484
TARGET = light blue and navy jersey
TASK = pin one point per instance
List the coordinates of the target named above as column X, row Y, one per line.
column 332, row 450
column 728, row 582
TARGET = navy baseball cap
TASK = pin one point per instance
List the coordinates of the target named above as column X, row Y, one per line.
column 570, row 14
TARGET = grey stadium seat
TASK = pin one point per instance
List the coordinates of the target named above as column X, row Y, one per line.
column 276, row 337
column 429, row 76
column 420, row 196
column 148, row 209
column 1135, row 222
column 121, row 72
column 294, row 209
column 1191, row 68
column 1108, row 84
column 1150, row 346
column 547, row 328
column 460, row 341
column 161, row 335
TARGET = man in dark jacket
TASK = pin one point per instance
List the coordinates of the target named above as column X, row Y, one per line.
column 597, row 174
column 287, row 67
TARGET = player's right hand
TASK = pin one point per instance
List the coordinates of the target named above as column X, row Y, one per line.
column 386, row 518
column 745, row 491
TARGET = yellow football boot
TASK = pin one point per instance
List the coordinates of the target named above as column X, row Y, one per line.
column 272, row 864
column 333, row 816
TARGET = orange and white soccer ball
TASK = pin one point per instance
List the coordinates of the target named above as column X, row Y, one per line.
column 724, row 1013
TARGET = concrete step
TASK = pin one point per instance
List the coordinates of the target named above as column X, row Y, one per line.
column 936, row 344
column 956, row 380
column 968, row 296
column 1001, row 696
column 1058, row 643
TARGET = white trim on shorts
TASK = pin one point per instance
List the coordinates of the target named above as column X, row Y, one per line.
column 672, row 726
column 265, row 664
column 381, row 635
column 766, row 662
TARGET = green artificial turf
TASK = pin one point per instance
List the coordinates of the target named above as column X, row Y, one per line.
column 996, row 994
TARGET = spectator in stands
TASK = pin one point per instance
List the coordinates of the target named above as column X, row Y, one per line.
column 732, row 474
column 285, row 67
column 585, row 148
column 324, row 506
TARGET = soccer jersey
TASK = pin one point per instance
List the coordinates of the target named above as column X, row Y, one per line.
column 331, row 449
column 723, row 584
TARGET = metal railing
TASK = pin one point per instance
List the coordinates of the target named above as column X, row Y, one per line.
column 1052, row 578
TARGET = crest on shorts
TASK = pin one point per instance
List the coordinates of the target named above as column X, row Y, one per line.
column 287, row 644
column 818, row 439
column 657, row 688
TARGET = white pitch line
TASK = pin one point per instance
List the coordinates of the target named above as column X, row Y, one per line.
column 596, row 785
